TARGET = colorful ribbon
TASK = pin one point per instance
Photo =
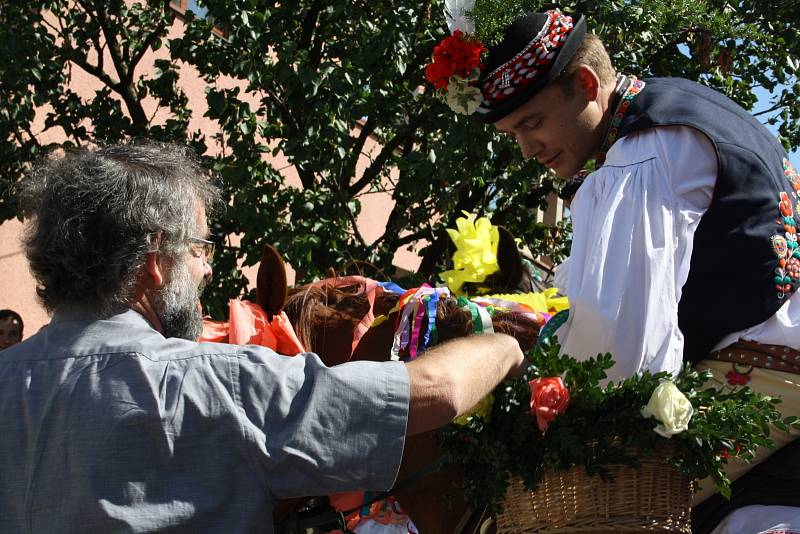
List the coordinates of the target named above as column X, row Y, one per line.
column 414, row 306
column 391, row 286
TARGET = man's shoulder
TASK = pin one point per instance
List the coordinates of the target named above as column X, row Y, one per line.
column 632, row 150
column 121, row 335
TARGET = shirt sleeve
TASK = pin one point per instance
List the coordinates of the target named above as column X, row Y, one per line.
column 318, row 430
column 633, row 228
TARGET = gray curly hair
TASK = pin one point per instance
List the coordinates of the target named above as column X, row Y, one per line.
column 93, row 213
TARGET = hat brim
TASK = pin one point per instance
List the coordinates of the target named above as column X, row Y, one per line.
column 561, row 60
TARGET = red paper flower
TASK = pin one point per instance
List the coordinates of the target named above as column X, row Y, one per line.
column 549, row 397
column 458, row 54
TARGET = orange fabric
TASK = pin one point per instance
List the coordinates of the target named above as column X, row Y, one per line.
column 248, row 325
column 214, row 332
column 286, row 336
column 347, row 501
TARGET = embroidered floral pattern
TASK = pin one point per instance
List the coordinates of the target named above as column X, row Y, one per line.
column 530, row 64
column 787, row 273
column 633, row 89
column 791, row 175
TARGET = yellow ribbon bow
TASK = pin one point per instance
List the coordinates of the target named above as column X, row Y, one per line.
column 475, row 258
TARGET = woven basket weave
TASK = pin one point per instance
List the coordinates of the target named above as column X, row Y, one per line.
column 653, row 498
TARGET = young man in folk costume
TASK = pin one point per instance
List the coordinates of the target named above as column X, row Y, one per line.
column 684, row 246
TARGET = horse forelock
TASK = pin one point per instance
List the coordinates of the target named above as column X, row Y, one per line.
column 321, row 306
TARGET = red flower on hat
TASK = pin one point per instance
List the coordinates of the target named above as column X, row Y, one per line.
column 457, row 55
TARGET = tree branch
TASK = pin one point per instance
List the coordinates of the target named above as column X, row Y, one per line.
column 409, row 238
column 776, row 107
column 124, row 87
column 27, row 128
column 310, row 25
column 349, row 169
column 354, row 225
column 94, row 70
column 375, row 167
column 307, row 178
column 111, row 39
column 148, row 42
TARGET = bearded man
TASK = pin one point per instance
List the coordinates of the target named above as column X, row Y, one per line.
column 113, row 419
column 684, row 237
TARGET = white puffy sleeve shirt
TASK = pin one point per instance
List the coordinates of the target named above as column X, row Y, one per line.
column 634, row 221
column 633, row 226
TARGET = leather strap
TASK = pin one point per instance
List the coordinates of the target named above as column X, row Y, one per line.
column 751, row 353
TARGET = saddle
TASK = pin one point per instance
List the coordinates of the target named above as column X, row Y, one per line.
column 776, row 480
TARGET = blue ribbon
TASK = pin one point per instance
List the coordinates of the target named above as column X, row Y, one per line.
column 391, row 286
column 431, row 334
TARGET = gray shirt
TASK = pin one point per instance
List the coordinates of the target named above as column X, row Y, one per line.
column 106, row 426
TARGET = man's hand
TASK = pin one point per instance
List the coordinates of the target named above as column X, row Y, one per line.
column 451, row 378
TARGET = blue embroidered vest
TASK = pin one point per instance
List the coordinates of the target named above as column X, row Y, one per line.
column 745, row 263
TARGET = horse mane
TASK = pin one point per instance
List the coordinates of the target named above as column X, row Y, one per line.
column 453, row 321
column 315, row 310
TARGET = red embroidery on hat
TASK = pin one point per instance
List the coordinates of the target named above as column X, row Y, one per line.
column 530, row 64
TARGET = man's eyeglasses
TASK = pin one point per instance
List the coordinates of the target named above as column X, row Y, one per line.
column 201, row 247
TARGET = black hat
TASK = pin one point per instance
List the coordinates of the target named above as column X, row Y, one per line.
column 534, row 51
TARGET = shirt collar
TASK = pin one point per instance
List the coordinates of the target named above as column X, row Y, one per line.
column 119, row 314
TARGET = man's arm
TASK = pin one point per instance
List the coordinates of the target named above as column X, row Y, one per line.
column 452, row 377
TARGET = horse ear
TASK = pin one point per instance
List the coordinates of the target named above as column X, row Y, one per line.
column 509, row 260
column 271, row 282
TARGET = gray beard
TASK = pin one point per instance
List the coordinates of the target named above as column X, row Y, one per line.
column 176, row 306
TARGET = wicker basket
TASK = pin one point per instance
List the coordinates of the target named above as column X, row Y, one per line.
column 653, row 498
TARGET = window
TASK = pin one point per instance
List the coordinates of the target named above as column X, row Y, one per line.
column 183, row 6
column 199, row 12
column 179, row 6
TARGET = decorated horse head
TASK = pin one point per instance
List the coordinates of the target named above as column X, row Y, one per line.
column 354, row 318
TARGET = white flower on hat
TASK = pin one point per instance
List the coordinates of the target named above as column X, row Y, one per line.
column 671, row 407
column 462, row 97
column 456, row 13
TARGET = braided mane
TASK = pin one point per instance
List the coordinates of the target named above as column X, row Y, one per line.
column 326, row 314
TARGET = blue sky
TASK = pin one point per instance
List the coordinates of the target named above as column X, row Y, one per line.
column 764, row 98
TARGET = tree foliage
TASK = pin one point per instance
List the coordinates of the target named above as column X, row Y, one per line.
column 317, row 81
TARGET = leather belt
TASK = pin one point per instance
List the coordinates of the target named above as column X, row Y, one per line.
column 744, row 353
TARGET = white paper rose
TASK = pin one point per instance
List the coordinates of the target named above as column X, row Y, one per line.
column 670, row 406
